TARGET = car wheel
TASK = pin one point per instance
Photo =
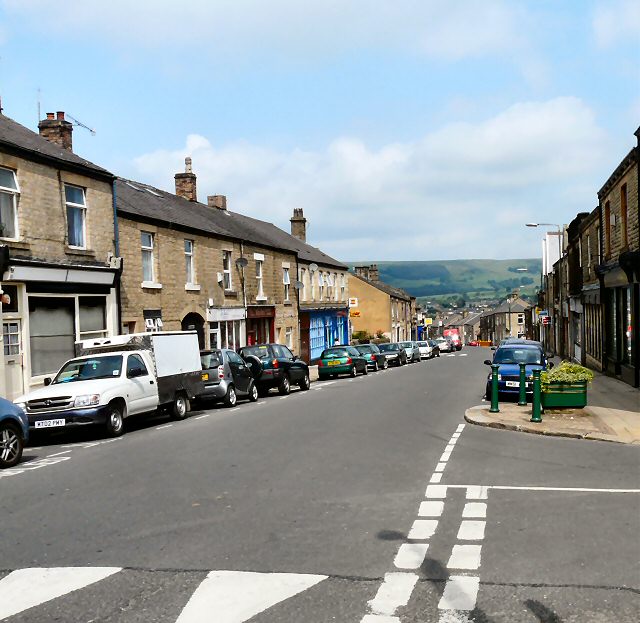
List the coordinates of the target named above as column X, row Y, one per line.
column 180, row 407
column 230, row 398
column 353, row 372
column 253, row 393
column 285, row 386
column 366, row 369
column 114, row 424
column 385, row 364
column 11, row 445
column 375, row 366
column 305, row 383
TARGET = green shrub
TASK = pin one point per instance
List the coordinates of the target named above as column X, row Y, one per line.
column 566, row 372
column 361, row 336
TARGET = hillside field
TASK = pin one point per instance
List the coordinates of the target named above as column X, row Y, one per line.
column 472, row 280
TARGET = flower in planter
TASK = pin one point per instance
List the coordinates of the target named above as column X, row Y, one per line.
column 566, row 372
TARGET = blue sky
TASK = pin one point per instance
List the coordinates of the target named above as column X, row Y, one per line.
column 413, row 129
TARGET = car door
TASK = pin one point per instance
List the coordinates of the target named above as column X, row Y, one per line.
column 291, row 363
column 141, row 386
column 240, row 371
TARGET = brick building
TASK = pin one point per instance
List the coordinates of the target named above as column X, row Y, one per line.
column 58, row 251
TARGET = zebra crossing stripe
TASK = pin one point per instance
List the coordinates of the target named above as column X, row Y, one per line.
column 236, row 596
column 26, row 588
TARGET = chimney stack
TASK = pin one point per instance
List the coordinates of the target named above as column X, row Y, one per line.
column 217, row 201
column 299, row 225
column 362, row 271
column 373, row 273
column 57, row 130
column 186, row 182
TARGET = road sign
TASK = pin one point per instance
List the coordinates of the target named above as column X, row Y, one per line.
column 543, row 312
column 428, row 321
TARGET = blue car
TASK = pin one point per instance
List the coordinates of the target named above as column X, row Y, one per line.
column 509, row 356
column 14, row 433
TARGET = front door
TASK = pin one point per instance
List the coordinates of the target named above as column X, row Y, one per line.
column 12, row 337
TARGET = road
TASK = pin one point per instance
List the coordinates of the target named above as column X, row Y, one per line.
column 359, row 501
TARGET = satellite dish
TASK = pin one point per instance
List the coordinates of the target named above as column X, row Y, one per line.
column 298, row 285
column 313, row 267
column 241, row 262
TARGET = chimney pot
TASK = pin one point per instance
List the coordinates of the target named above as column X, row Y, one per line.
column 60, row 115
column 50, row 115
column 187, row 165
column 217, row 201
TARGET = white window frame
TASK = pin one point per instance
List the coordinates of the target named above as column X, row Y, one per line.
column 343, row 285
column 259, row 280
column 226, row 270
column 286, row 280
column 189, row 256
column 335, row 286
column 14, row 347
column 14, row 194
column 148, row 250
column 520, row 318
column 303, row 290
column 320, row 285
column 288, row 337
column 312, row 285
column 82, row 208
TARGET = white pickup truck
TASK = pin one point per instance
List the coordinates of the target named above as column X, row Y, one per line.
column 113, row 378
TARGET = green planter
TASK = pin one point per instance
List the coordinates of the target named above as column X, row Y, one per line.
column 557, row 395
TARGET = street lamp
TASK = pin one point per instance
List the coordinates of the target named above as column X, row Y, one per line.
column 559, row 233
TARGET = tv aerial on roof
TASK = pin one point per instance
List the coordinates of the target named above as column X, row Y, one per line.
column 82, row 125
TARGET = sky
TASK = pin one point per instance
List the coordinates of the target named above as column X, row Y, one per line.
column 405, row 129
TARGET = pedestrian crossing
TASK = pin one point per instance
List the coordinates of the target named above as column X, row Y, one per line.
column 36, row 594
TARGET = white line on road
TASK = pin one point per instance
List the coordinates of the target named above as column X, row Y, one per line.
column 465, row 557
column 475, row 510
column 445, row 457
column 393, row 593
column 479, row 490
column 431, row 509
column 203, row 416
column 235, row 596
column 435, row 478
column 261, row 402
column 436, row 491
column 164, row 426
column 27, row 588
column 379, row 618
column 460, row 593
column 460, row 428
column 440, row 467
column 410, row 555
column 59, row 453
column 423, row 529
column 471, row 530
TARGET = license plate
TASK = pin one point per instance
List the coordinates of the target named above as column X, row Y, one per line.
column 49, row 423
column 334, row 363
column 512, row 383
column 205, row 376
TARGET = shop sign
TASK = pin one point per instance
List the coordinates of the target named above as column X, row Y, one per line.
column 222, row 314
column 428, row 321
column 353, row 302
column 354, row 313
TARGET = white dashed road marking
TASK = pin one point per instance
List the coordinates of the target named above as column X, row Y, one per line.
column 465, row 557
column 394, row 592
column 471, row 530
column 411, row 555
column 460, row 593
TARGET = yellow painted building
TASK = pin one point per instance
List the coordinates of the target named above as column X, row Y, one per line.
column 377, row 306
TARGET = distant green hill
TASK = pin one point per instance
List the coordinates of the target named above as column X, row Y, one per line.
column 468, row 279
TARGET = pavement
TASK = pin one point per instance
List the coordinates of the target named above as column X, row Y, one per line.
column 612, row 414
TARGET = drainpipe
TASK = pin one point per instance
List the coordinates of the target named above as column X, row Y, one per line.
column 116, row 247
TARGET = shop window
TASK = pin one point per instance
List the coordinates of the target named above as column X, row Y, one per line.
column 52, row 333
column 9, row 192
column 92, row 316
column 76, row 216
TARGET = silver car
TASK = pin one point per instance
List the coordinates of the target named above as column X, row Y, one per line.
column 445, row 345
column 426, row 350
column 226, row 377
column 412, row 350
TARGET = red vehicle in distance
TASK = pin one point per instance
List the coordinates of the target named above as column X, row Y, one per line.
column 454, row 336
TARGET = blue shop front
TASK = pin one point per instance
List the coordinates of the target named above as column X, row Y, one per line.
column 321, row 328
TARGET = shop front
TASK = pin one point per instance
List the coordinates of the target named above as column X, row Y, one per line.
column 227, row 327
column 45, row 310
column 326, row 327
column 260, row 324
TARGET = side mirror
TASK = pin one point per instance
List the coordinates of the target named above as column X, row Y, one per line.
column 47, row 381
column 550, row 365
column 493, row 348
column 487, row 362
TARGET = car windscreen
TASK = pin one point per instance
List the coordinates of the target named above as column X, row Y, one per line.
column 518, row 355
column 406, row 344
column 387, row 347
column 256, row 351
column 422, row 344
column 89, row 369
column 334, row 352
column 211, row 360
column 364, row 348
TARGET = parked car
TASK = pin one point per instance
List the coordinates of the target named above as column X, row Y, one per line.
column 118, row 377
column 274, row 365
column 508, row 357
column 395, row 354
column 375, row 359
column 412, row 350
column 436, row 348
column 426, row 350
column 445, row 345
column 473, row 343
column 341, row 360
column 14, row 433
column 227, row 377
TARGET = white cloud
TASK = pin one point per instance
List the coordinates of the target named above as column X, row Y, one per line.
column 297, row 31
column 453, row 193
column 617, row 22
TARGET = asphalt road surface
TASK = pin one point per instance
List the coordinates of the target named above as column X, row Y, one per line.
column 360, row 501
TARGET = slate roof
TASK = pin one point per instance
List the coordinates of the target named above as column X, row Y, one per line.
column 16, row 136
column 141, row 201
column 385, row 287
column 517, row 306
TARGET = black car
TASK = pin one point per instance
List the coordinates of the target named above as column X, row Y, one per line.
column 395, row 354
column 375, row 359
column 275, row 366
column 226, row 376
column 436, row 349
